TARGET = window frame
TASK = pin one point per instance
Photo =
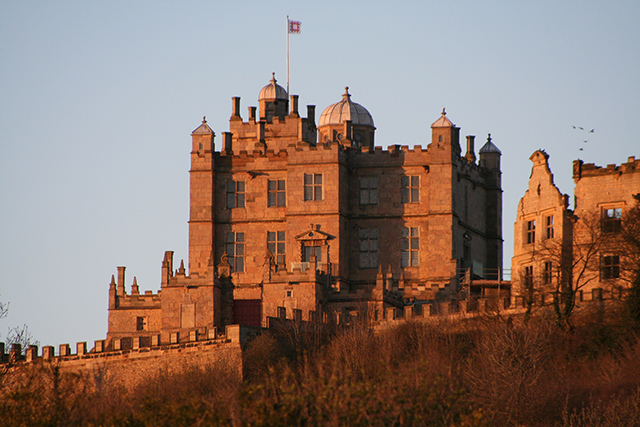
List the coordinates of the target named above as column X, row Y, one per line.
column 610, row 267
column 611, row 220
column 276, row 244
column 410, row 188
column 368, row 192
column 368, row 248
column 530, row 231
column 313, row 190
column 549, row 226
column 276, row 197
column 235, row 249
column 236, row 194
column 410, row 247
column 547, row 273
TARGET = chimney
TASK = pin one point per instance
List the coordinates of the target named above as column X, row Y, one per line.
column 120, row 284
column 236, row 107
column 311, row 113
column 294, row 106
column 227, row 137
column 471, row 155
column 252, row 114
column 262, row 126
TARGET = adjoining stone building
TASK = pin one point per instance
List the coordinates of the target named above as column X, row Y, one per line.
column 554, row 245
column 287, row 214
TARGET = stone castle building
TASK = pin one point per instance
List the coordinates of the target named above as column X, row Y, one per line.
column 554, row 245
column 312, row 218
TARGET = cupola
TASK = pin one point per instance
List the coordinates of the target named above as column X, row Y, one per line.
column 347, row 122
column 273, row 100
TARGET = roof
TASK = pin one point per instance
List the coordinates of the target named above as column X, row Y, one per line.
column 344, row 110
column 272, row 90
column 203, row 129
column 489, row 147
column 443, row 121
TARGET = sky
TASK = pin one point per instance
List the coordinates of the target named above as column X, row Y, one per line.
column 98, row 100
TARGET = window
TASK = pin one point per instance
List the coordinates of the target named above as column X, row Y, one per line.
column 275, row 244
column 309, row 251
column 235, row 194
column 528, row 277
column 610, row 267
column 276, row 193
column 234, row 247
column 547, row 276
column 368, row 249
column 410, row 246
column 369, row 190
column 141, row 324
column 548, row 223
column 410, row 189
column 312, row 186
column 611, row 220
column 531, row 231
column 289, row 293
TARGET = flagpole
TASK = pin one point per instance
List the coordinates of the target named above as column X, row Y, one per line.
column 287, row 55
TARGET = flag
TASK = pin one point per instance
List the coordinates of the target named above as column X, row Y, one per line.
column 294, row 27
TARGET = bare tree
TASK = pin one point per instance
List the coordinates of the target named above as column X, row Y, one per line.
column 17, row 334
column 570, row 265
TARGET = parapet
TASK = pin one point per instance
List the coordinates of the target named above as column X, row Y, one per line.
column 583, row 170
column 130, row 347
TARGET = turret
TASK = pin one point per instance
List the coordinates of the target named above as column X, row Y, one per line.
column 202, row 182
column 490, row 155
column 445, row 135
column 273, row 101
column 490, row 160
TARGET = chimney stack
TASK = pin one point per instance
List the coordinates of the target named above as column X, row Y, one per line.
column 471, row 155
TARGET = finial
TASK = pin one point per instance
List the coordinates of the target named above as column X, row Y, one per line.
column 273, row 77
column 444, row 113
column 204, row 119
column 346, row 92
column 489, row 138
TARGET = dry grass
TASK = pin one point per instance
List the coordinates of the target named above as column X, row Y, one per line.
column 484, row 372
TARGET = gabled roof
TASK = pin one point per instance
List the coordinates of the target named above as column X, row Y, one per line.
column 443, row 121
column 489, row 147
column 313, row 234
column 203, row 129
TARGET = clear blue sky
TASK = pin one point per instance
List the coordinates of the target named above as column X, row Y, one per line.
column 97, row 101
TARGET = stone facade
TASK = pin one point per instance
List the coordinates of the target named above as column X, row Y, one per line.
column 554, row 245
column 314, row 218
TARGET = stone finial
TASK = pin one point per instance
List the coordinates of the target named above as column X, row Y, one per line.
column 204, row 119
column 134, row 288
column 444, row 112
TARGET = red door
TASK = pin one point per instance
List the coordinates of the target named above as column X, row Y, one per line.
column 247, row 312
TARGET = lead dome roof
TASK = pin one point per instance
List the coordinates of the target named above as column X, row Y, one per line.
column 273, row 90
column 343, row 110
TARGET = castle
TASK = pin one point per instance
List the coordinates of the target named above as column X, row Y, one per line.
column 556, row 248
column 296, row 221
column 314, row 219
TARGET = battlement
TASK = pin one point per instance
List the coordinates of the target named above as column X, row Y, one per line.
column 584, row 170
column 132, row 347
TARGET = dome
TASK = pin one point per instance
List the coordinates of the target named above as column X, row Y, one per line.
column 272, row 90
column 339, row 112
column 490, row 147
